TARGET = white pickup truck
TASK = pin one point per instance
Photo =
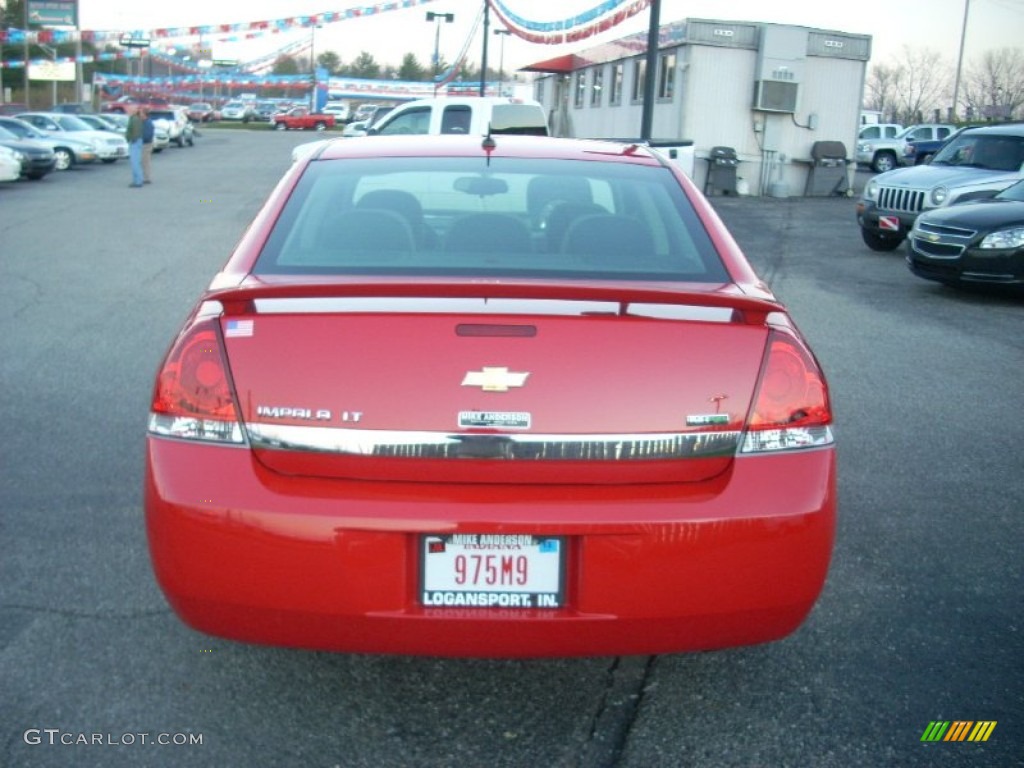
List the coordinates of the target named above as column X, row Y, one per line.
column 474, row 116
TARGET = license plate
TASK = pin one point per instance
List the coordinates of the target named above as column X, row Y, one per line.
column 890, row 223
column 492, row 571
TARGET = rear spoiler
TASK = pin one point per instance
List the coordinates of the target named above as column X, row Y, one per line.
column 749, row 310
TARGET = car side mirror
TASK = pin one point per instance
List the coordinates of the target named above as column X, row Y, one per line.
column 372, row 131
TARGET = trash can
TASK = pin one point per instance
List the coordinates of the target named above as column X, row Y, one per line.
column 722, row 163
column 827, row 175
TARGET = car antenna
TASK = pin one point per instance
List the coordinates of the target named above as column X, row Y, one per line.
column 489, row 144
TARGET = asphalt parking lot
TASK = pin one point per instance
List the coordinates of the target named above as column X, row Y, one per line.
column 919, row 622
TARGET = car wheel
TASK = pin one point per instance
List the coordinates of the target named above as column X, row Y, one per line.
column 109, row 160
column 64, row 158
column 280, row 127
column 35, row 176
column 876, row 241
column 321, row 126
column 884, row 161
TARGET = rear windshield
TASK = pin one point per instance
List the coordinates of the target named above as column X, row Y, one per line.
column 506, row 218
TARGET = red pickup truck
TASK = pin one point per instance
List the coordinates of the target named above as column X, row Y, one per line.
column 300, row 119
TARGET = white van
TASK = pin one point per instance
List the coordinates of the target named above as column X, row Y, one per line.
column 475, row 116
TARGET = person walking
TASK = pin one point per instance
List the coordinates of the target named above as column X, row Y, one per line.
column 148, row 129
column 133, row 135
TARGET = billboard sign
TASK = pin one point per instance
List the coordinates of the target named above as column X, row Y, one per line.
column 53, row 13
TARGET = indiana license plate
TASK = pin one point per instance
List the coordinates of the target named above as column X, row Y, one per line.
column 492, row 571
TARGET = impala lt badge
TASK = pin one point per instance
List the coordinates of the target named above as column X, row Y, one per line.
column 494, row 379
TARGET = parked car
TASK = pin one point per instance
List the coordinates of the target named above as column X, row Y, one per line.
column 339, row 109
column 174, row 120
column 122, row 103
column 11, row 108
column 10, row 164
column 920, row 151
column 202, row 112
column 355, row 128
column 108, row 147
column 236, row 110
column 69, row 149
column 301, row 119
column 977, row 163
column 980, row 242
column 264, row 111
column 885, row 154
column 536, row 403
column 362, row 127
column 477, row 116
column 365, row 112
column 101, row 122
column 37, row 159
column 874, row 131
column 73, row 108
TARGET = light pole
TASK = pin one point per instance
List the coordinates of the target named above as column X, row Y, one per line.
column 436, row 19
column 312, row 66
column 501, row 59
column 960, row 58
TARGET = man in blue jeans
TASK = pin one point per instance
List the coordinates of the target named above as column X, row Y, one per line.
column 133, row 135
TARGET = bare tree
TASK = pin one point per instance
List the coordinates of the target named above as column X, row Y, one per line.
column 880, row 92
column 922, row 84
column 994, row 85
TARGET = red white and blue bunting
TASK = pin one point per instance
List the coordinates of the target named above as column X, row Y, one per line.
column 597, row 19
column 600, row 18
column 225, row 33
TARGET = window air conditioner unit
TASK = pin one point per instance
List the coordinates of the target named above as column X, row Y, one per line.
column 775, row 96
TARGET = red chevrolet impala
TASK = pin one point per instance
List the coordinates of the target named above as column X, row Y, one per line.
column 490, row 396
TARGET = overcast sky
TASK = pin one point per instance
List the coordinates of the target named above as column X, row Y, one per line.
column 932, row 24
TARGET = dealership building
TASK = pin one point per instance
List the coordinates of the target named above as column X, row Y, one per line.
column 770, row 109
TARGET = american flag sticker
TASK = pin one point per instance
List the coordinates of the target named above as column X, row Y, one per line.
column 238, row 328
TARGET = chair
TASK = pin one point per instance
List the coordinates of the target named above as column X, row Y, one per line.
column 542, row 191
column 405, row 205
column 488, row 233
column 560, row 216
column 607, row 240
column 366, row 231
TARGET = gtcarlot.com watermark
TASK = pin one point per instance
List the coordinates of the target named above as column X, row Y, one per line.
column 58, row 736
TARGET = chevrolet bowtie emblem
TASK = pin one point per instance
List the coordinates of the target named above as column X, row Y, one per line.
column 494, row 379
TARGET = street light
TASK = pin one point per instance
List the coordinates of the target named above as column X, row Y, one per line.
column 312, row 66
column 436, row 19
column 501, row 59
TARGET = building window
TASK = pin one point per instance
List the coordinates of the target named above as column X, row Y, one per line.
column 615, row 86
column 538, row 89
column 639, row 74
column 596, row 86
column 667, row 81
column 579, row 88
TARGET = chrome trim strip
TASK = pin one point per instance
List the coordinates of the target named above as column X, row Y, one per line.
column 526, row 447
column 469, row 306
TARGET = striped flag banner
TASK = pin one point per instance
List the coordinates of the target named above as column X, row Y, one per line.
column 958, row 730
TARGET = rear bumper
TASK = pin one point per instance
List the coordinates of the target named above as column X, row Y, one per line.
column 327, row 564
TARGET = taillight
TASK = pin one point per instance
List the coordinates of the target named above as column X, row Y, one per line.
column 791, row 409
column 192, row 396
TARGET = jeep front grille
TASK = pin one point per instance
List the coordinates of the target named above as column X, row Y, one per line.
column 901, row 199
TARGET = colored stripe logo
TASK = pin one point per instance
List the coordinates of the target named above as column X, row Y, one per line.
column 958, row 730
